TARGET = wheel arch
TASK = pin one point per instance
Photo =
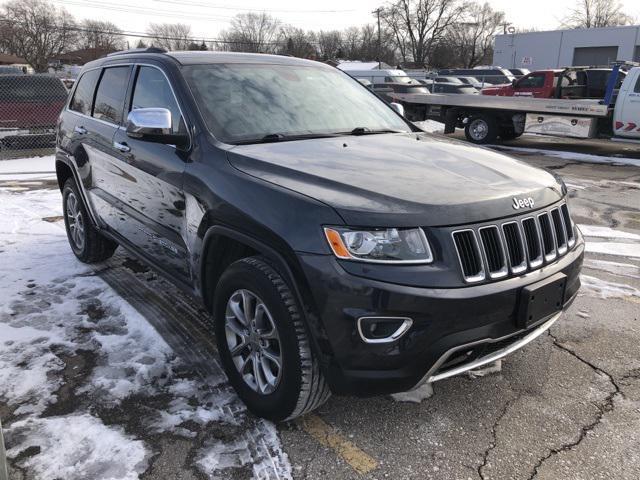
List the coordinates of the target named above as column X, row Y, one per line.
column 223, row 245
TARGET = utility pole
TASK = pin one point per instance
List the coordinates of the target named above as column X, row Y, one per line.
column 378, row 11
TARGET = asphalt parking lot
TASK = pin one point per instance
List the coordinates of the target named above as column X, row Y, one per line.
column 565, row 407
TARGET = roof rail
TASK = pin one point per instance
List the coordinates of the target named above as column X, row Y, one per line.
column 138, row 50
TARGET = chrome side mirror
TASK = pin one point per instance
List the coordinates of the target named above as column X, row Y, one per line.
column 398, row 108
column 153, row 125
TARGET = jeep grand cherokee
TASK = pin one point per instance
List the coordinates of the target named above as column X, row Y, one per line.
column 338, row 248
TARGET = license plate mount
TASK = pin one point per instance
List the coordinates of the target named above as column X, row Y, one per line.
column 541, row 300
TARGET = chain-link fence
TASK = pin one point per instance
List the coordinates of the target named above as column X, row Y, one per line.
column 29, row 109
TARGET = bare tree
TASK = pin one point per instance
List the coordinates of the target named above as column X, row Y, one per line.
column 418, row 25
column 472, row 36
column 597, row 14
column 252, row 32
column 100, row 35
column 170, row 36
column 330, row 44
column 297, row 42
column 36, row 31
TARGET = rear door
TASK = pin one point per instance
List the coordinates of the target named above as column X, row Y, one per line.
column 627, row 110
column 152, row 187
column 96, row 132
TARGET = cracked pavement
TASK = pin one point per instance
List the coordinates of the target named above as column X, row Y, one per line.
column 566, row 406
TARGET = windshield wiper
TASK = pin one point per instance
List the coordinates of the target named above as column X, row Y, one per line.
column 368, row 131
column 280, row 137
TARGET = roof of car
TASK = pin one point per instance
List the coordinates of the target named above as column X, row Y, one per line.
column 200, row 57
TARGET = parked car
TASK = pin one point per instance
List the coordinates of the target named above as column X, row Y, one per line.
column 558, row 83
column 490, row 75
column 381, row 76
column 457, row 88
column 29, row 108
column 473, row 81
column 441, row 79
column 519, row 72
column 338, row 247
column 386, row 90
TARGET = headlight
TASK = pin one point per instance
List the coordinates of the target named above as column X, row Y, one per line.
column 390, row 245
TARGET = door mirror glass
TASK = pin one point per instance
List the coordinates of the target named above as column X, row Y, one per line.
column 153, row 125
column 398, row 108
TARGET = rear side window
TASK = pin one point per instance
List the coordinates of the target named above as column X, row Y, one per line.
column 83, row 97
column 637, row 89
column 110, row 95
column 152, row 90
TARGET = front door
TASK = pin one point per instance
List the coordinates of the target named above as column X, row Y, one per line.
column 532, row 85
column 627, row 113
column 153, row 189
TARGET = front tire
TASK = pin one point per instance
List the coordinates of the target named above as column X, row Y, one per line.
column 86, row 242
column 263, row 344
column 481, row 129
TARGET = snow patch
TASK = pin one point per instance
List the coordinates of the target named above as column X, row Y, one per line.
column 579, row 157
column 614, row 248
column 430, row 126
column 615, row 268
column 606, row 232
column 46, row 164
column 417, row 395
column 604, row 289
column 77, row 447
column 494, row 367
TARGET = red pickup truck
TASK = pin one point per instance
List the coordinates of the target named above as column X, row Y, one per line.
column 557, row 83
column 29, row 109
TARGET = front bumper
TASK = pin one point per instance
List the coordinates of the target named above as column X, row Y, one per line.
column 478, row 322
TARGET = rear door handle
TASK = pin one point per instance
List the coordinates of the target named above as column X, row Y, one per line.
column 123, row 147
column 80, row 130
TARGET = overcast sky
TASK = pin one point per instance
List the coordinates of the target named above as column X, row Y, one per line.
column 208, row 17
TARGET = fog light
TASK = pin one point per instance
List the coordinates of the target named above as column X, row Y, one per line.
column 383, row 329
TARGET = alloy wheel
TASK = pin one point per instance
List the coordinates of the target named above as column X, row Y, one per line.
column 75, row 221
column 478, row 129
column 253, row 341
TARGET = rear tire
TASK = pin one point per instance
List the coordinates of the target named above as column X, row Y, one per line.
column 86, row 242
column 275, row 373
column 481, row 129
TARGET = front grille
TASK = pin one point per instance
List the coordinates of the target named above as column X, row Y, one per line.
column 493, row 251
column 469, row 255
column 515, row 246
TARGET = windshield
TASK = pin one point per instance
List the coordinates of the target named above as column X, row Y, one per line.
column 245, row 102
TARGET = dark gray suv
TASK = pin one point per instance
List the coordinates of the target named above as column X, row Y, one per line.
column 339, row 248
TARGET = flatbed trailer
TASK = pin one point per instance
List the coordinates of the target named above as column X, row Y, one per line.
column 486, row 118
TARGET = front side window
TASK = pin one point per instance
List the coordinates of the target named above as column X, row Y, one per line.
column 532, row 81
column 242, row 103
column 152, row 90
column 83, row 97
column 110, row 95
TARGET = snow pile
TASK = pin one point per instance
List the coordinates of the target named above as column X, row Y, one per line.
column 606, row 232
column 417, row 395
column 574, row 156
column 613, row 247
column 494, row 367
column 605, row 289
column 615, row 268
column 53, row 309
column 77, row 447
column 430, row 126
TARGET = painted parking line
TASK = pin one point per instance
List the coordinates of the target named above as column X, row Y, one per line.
column 328, row 437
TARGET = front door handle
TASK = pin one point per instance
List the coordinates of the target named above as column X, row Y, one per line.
column 123, row 147
column 80, row 130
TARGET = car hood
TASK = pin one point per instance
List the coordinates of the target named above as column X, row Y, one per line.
column 400, row 179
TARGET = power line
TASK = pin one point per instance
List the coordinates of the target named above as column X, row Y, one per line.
column 257, row 10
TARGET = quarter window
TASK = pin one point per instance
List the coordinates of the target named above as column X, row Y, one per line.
column 83, row 97
column 153, row 91
column 110, row 94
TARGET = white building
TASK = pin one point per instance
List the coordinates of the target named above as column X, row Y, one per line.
column 562, row 48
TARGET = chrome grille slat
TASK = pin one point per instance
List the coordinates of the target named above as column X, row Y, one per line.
column 515, row 246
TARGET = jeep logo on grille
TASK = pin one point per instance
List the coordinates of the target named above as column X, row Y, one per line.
column 519, row 203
